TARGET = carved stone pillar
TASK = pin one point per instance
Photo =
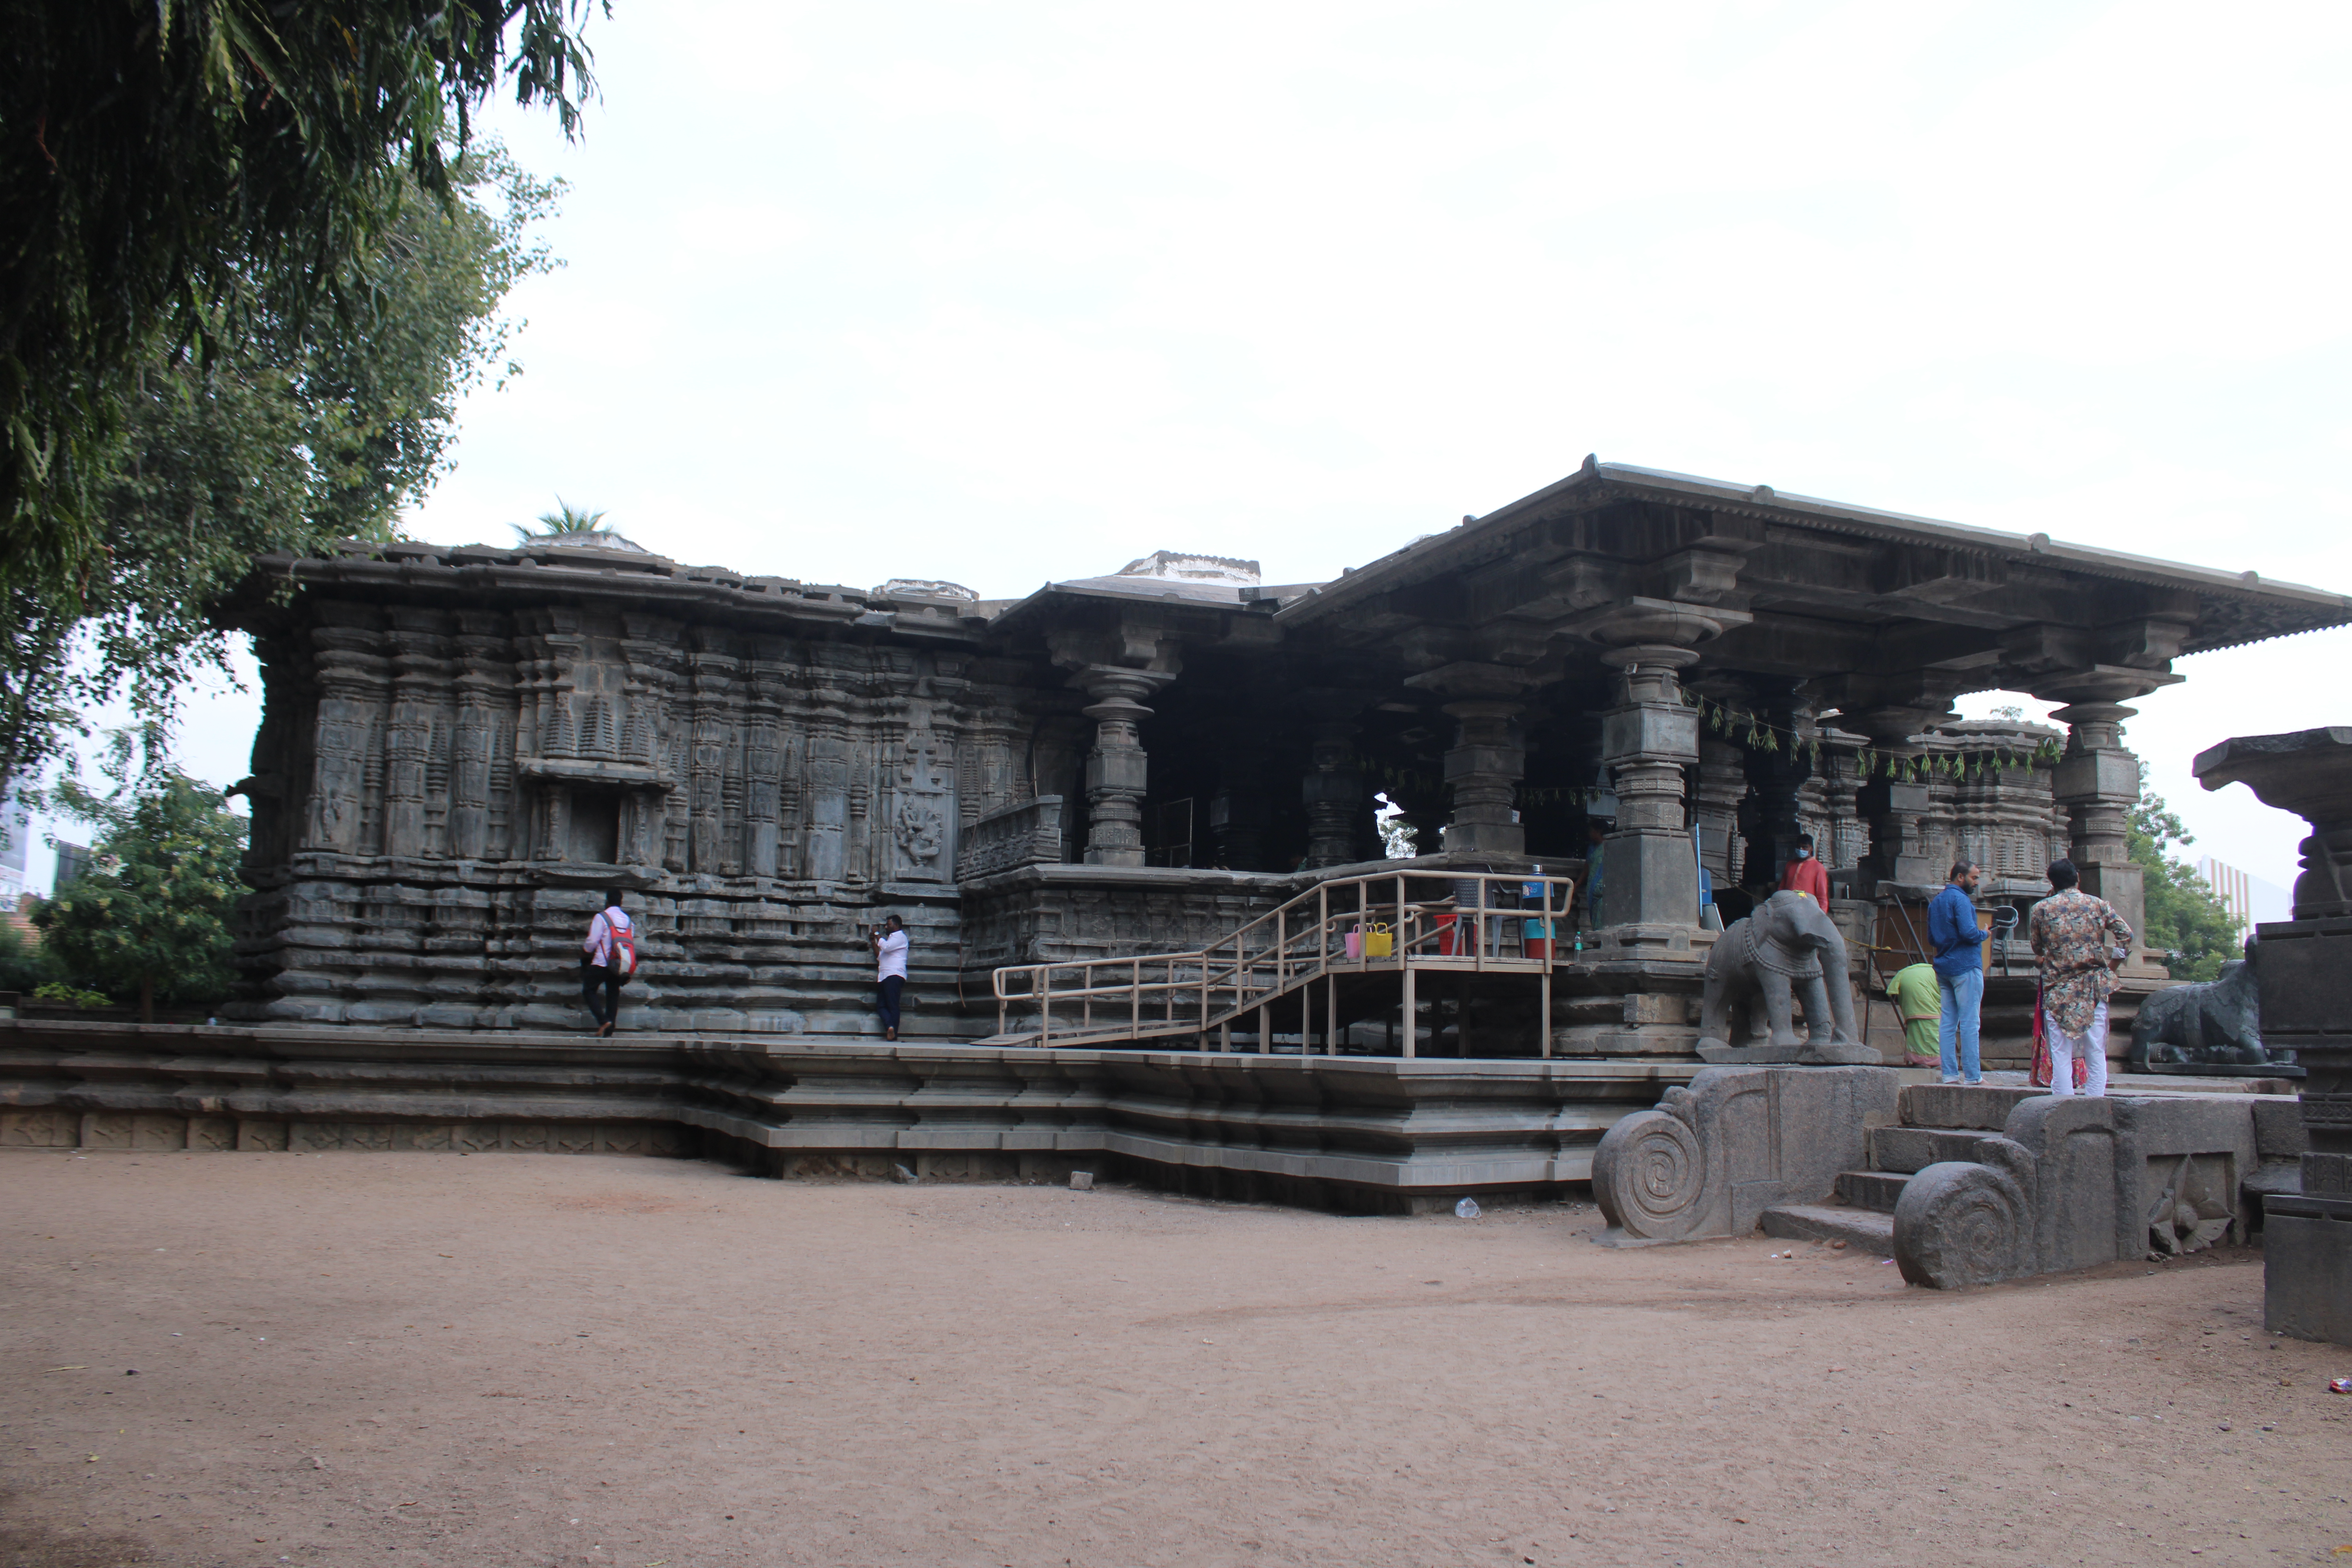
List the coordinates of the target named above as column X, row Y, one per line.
column 1849, row 834
column 423, row 683
column 1719, row 786
column 2305, row 975
column 1484, row 770
column 1892, row 802
column 1488, row 759
column 763, row 776
column 1646, row 742
column 1774, row 818
column 485, row 729
column 714, row 679
column 1118, row 772
column 355, row 679
column 1650, row 868
column 2097, row 784
column 1116, row 666
column 1333, row 793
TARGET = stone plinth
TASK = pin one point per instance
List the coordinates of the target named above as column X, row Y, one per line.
column 1350, row 1133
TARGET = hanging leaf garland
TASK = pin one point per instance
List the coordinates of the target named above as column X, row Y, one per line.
column 1758, row 733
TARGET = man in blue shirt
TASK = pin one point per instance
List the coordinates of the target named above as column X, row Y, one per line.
column 1959, row 944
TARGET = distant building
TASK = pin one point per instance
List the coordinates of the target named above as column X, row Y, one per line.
column 2248, row 898
column 2233, row 888
column 73, row 863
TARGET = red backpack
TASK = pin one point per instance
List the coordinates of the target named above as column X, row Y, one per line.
column 624, row 941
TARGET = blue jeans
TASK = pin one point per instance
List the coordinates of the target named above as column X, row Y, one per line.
column 1963, row 999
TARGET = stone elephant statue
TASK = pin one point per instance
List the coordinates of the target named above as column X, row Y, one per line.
column 1788, row 954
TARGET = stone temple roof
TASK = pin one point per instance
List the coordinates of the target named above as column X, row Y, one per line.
column 1807, row 585
column 1958, row 574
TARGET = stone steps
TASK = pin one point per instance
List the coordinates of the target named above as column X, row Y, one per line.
column 1877, row 1190
column 1908, row 1149
column 1864, row 1230
column 1983, row 1106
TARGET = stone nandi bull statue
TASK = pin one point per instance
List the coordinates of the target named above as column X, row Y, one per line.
column 2215, row 1025
column 1788, row 952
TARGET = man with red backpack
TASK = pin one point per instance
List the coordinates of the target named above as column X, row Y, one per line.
column 607, row 959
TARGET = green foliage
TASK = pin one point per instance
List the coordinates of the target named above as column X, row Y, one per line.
column 2186, row 923
column 151, row 918
column 566, row 521
column 24, row 964
column 58, row 991
column 298, row 432
column 167, row 165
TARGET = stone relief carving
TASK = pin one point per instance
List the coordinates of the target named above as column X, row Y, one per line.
column 921, row 833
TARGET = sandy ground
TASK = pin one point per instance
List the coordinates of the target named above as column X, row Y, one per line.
column 397, row 1359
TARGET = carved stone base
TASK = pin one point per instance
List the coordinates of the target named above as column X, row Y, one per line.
column 2072, row 1182
column 1713, row 1157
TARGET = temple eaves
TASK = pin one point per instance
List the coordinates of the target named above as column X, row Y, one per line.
column 2261, row 608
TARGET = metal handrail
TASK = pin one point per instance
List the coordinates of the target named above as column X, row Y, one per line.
column 1264, row 959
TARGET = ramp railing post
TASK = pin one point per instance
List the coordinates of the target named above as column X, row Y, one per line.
column 1412, row 1017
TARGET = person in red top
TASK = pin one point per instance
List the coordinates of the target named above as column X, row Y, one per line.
column 1804, row 874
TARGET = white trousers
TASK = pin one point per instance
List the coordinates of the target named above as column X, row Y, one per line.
column 2089, row 1047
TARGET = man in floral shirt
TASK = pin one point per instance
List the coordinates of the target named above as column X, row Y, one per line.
column 2080, row 941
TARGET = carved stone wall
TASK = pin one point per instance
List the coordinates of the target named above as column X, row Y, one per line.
column 451, row 771
column 1053, row 913
column 1026, row 833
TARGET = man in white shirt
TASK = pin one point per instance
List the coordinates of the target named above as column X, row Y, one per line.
column 890, row 970
column 607, row 959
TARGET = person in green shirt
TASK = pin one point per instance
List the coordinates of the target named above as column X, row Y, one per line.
column 1918, row 999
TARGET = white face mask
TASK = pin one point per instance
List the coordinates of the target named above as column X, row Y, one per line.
column 1803, row 853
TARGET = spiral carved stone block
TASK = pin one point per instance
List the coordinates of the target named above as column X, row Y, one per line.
column 1649, row 1175
column 1959, row 1224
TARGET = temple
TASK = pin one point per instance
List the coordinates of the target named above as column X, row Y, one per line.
column 462, row 748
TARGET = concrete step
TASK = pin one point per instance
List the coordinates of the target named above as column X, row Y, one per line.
column 1877, row 1190
column 1917, row 1148
column 1984, row 1107
column 1864, row 1230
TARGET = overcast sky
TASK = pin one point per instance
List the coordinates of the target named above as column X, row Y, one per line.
column 1006, row 292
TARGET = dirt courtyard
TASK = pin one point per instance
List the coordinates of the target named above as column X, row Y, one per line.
column 398, row 1359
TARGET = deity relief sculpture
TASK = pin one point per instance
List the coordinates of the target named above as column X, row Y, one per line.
column 1788, row 952
column 921, row 831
